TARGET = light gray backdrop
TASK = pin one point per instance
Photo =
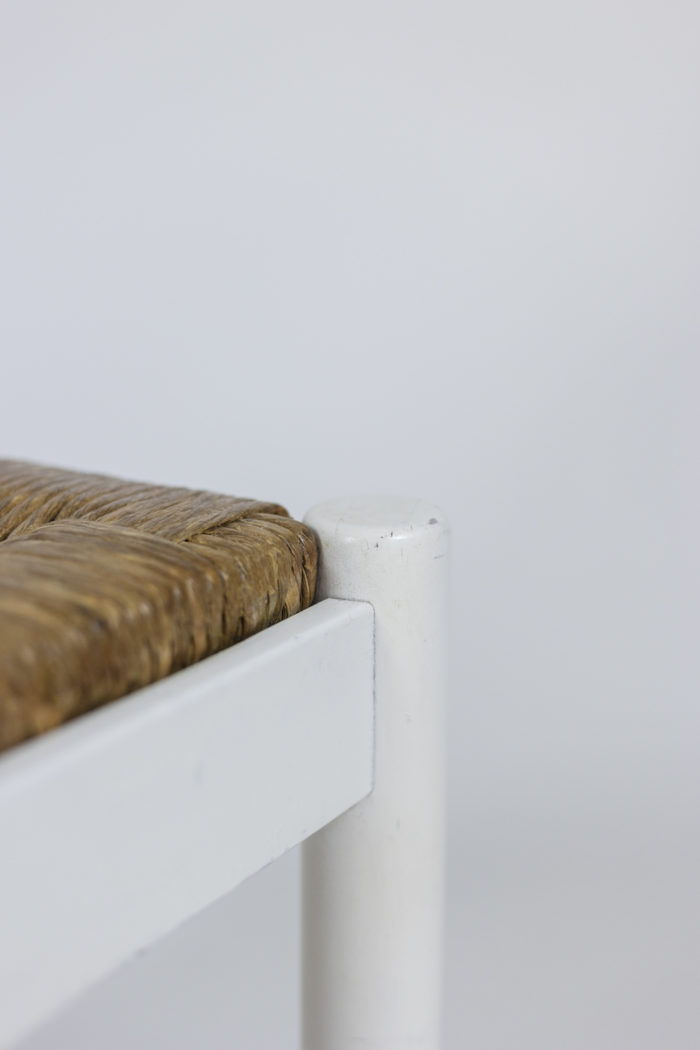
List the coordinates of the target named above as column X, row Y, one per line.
column 451, row 249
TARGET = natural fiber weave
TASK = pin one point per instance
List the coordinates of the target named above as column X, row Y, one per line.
column 108, row 585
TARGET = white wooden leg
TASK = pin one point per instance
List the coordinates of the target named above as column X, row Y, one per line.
column 373, row 880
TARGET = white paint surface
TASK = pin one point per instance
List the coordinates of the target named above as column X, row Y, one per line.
column 122, row 824
column 374, row 879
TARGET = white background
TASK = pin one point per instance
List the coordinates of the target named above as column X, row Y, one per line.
column 451, row 249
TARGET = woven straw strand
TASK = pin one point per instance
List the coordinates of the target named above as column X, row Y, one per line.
column 106, row 586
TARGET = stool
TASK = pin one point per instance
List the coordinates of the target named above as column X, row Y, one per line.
column 178, row 763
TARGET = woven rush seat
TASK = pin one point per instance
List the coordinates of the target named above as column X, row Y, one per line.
column 109, row 585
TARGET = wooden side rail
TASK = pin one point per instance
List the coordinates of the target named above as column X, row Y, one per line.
column 121, row 824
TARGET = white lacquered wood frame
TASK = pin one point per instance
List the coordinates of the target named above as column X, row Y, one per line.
column 120, row 825
column 373, row 880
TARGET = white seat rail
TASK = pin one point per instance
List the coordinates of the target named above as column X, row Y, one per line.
column 118, row 826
